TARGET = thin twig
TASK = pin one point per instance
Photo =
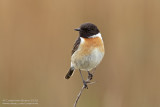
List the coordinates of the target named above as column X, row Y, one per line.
column 78, row 96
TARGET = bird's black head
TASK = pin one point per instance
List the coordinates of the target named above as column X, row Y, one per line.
column 87, row 30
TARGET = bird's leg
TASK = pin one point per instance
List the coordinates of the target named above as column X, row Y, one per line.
column 84, row 82
column 90, row 76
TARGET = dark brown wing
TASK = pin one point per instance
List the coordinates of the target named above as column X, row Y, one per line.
column 76, row 45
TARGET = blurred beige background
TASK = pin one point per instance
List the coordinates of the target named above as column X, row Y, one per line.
column 36, row 39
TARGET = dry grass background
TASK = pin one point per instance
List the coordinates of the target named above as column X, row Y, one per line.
column 36, row 38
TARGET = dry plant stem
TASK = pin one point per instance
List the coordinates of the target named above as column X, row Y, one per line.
column 78, row 96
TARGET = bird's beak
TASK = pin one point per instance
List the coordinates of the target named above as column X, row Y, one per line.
column 77, row 29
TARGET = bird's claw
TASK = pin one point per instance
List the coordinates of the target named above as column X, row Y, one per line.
column 85, row 84
column 90, row 76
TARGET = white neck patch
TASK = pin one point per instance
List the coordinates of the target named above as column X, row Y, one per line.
column 94, row 36
column 97, row 35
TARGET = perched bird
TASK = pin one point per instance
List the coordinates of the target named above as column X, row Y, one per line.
column 88, row 50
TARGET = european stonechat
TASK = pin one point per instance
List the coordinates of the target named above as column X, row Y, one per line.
column 88, row 50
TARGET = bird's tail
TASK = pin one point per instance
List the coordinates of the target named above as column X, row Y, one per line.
column 70, row 72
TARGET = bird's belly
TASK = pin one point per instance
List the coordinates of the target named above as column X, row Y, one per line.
column 89, row 61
